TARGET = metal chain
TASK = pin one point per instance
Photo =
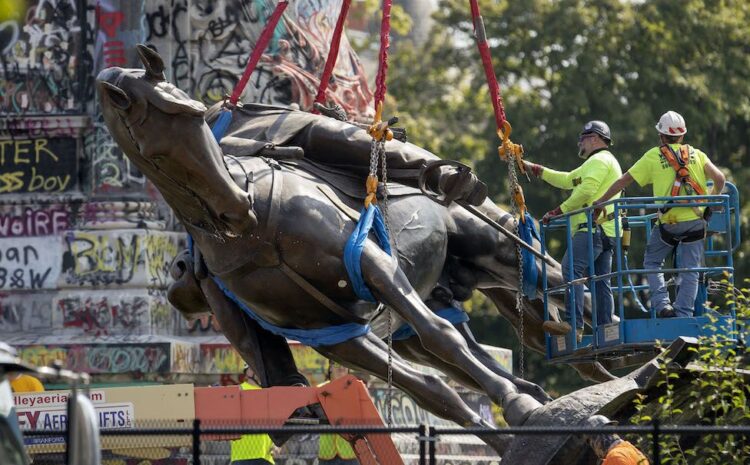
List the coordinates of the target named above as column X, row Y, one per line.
column 377, row 151
column 392, row 239
column 519, row 256
column 373, row 157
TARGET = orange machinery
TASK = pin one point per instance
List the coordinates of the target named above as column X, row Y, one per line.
column 345, row 402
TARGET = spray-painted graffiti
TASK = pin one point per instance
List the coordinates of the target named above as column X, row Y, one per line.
column 42, row 126
column 118, row 30
column 94, row 258
column 96, row 313
column 23, row 220
column 204, row 324
column 184, row 357
column 163, row 315
column 407, row 412
column 160, row 250
column 110, row 358
column 123, row 258
column 121, row 215
column 38, row 165
column 29, row 263
column 44, row 63
column 219, row 359
column 311, row 363
column 24, row 312
column 208, row 44
column 111, row 172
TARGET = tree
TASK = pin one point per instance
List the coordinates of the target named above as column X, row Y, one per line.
column 564, row 62
column 714, row 392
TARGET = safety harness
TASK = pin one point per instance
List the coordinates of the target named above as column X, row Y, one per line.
column 679, row 163
column 679, row 160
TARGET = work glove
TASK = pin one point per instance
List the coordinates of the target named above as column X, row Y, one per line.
column 551, row 214
column 534, row 168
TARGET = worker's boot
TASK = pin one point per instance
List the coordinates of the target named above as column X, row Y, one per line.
column 667, row 312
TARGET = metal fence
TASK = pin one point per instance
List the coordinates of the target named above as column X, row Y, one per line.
column 197, row 445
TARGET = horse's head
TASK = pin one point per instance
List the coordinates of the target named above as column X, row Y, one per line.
column 162, row 131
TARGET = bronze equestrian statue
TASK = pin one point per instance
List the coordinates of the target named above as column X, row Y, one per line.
column 276, row 247
column 281, row 132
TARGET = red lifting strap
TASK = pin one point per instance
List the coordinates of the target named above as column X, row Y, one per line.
column 260, row 47
column 385, row 29
column 333, row 54
column 489, row 72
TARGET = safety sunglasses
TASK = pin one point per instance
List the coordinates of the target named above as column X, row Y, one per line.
column 583, row 137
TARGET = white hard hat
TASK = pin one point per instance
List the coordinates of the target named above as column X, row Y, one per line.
column 671, row 123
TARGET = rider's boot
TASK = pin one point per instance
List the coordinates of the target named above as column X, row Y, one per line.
column 556, row 328
column 462, row 185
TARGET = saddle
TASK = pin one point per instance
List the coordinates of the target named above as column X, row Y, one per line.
column 342, row 185
column 185, row 293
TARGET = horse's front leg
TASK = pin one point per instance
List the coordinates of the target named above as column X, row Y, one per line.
column 389, row 284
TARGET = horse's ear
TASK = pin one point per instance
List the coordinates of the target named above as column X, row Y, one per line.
column 152, row 62
column 118, row 96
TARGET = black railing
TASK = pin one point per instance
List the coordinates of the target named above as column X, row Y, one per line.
column 426, row 436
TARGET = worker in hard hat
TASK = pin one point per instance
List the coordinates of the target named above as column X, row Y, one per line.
column 587, row 183
column 611, row 448
column 673, row 169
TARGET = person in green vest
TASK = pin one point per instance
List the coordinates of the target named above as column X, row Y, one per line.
column 335, row 450
column 674, row 169
column 586, row 183
column 252, row 449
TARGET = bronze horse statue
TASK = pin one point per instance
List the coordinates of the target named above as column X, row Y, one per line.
column 277, row 248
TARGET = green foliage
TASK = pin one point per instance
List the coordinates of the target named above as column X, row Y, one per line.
column 561, row 63
column 370, row 11
column 712, row 392
column 564, row 62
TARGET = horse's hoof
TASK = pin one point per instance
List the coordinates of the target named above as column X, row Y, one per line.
column 518, row 407
column 537, row 393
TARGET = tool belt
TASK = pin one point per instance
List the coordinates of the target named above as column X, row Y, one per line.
column 676, row 239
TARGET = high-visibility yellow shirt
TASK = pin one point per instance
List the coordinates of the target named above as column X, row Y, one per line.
column 26, row 383
column 252, row 446
column 625, row 453
column 588, row 182
column 333, row 445
column 653, row 168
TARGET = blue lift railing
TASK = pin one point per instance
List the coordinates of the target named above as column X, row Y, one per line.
column 634, row 334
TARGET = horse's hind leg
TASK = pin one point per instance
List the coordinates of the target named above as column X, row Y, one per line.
column 412, row 350
column 369, row 354
column 533, row 336
column 389, row 284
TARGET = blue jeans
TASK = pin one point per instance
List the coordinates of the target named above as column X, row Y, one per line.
column 689, row 255
column 602, row 265
column 251, row 462
column 338, row 461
